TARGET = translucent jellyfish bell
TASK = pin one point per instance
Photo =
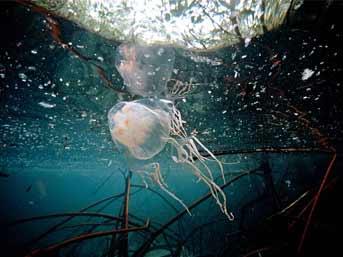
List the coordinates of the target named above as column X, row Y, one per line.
column 145, row 69
column 142, row 127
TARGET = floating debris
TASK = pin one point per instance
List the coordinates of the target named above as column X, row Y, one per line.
column 22, row 76
column 47, row 105
column 307, row 73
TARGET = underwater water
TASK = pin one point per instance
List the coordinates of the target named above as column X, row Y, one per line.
column 265, row 116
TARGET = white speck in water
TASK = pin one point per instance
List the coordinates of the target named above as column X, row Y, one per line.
column 247, row 41
column 47, row 105
column 288, row 183
column 22, row 76
column 307, row 73
column 233, row 56
column 160, row 51
column 83, row 114
column 34, row 51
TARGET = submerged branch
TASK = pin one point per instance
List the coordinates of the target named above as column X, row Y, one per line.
column 57, row 215
column 269, row 150
column 159, row 195
column 124, row 240
column 52, row 248
column 315, row 202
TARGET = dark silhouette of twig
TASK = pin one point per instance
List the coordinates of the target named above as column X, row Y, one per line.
column 315, row 202
column 58, row 215
column 59, row 224
column 104, row 182
column 123, row 241
column 154, row 225
column 159, row 195
column 268, row 150
column 52, row 248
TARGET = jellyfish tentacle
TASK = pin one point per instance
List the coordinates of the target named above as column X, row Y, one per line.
column 217, row 193
column 143, row 175
column 180, row 89
column 178, row 129
column 194, row 152
column 153, row 171
column 177, row 122
column 215, row 190
column 189, row 155
column 212, row 155
column 160, row 181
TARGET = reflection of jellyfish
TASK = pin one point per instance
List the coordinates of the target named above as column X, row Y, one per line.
column 143, row 128
column 145, row 69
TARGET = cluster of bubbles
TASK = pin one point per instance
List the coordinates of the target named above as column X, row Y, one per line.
column 143, row 127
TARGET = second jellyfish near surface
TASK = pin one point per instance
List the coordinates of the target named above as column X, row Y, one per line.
column 145, row 69
column 143, row 128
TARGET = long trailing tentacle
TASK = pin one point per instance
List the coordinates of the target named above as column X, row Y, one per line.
column 215, row 190
column 153, row 172
column 212, row 155
column 217, row 193
column 179, row 130
column 159, row 180
column 193, row 155
column 187, row 152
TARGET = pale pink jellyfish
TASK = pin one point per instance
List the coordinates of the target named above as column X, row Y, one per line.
column 145, row 69
column 143, row 128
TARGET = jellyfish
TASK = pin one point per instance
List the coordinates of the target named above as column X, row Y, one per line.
column 144, row 127
column 145, row 69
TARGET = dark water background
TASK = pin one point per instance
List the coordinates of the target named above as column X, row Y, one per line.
column 62, row 159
